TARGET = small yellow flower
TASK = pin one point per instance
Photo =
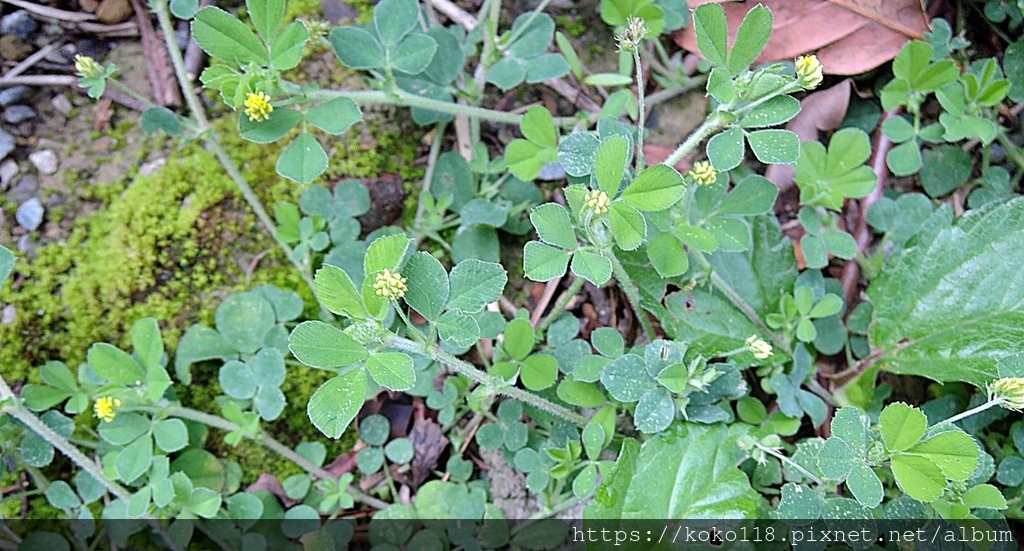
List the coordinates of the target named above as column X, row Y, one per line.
column 758, row 347
column 257, row 106
column 390, row 285
column 1009, row 391
column 106, row 408
column 597, row 201
column 87, row 67
column 703, row 173
column 808, row 71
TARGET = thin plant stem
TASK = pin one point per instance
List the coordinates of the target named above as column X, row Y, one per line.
column 632, row 294
column 492, row 10
column 560, row 306
column 965, row 414
column 428, row 176
column 641, row 122
column 500, row 387
column 790, row 462
column 708, row 127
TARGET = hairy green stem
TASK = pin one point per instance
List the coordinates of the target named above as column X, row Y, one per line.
column 708, row 127
column 790, row 462
column 403, row 98
column 560, row 306
column 738, row 301
column 463, row 368
column 641, row 122
column 965, row 414
column 632, row 294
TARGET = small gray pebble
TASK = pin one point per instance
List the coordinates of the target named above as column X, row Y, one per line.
column 6, row 144
column 8, row 170
column 18, row 113
column 19, row 23
column 61, row 103
column 13, row 94
column 45, row 161
column 26, row 245
column 30, row 214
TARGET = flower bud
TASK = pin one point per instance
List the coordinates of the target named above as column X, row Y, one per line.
column 703, row 173
column 257, row 106
column 597, row 201
column 87, row 67
column 390, row 285
column 808, row 71
column 1009, row 391
column 758, row 347
column 106, row 408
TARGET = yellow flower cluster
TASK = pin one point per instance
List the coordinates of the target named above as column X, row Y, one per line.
column 257, row 106
column 87, row 67
column 758, row 347
column 390, row 285
column 1009, row 391
column 808, row 71
column 703, row 173
column 597, row 201
column 106, row 408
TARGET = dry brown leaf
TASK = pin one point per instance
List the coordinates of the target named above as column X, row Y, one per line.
column 820, row 111
column 848, row 36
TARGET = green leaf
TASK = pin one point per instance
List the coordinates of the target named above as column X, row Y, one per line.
column 385, row 253
column 393, row 19
column 475, row 284
column 538, row 126
column 612, row 157
column 827, row 178
column 774, row 146
column 578, row 152
column 337, row 293
column 281, row 122
column 944, row 169
column 336, row 116
column 904, row 159
column 953, row 451
column 413, row 54
column 304, row 160
column 6, row 264
column 357, row 48
column 458, row 329
column 392, row 370
column 125, row 428
column 918, row 477
column 507, row 73
column 519, row 339
column 225, row 37
column 725, row 150
column 184, row 9
column 591, row 266
column 668, row 255
column 62, row 496
column 689, row 474
column 243, row 319
column 865, row 485
column 237, row 380
column 546, row 66
column 539, row 371
column 656, row 188
column 654, row 412
column 160, row 118
column 524, row 159
column 753, row 195
column 318, row 344
column 626, row 378
column 286, row 52
column 134, row 459
column 773, row 112
column 266, row 16
column 333, row 406
column 543, row 262
column 751, row 38
column 628, row 226
column 428, row 285
column 984, row 495
column 170, row 434
column 554, row 225
column 147, row 343
column 935, row 312
column 113, row 364
column 901, row 426
column 712, row 33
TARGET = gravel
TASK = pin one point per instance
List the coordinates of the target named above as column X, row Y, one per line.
column 30, row 214
column 19, row 23
column 44, row 160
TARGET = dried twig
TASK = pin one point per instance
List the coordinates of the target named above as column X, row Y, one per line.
column 31, row 60
column 52, row 14
column 161, row 75
column 455, row 13
column 861, row 233
column 39, row 80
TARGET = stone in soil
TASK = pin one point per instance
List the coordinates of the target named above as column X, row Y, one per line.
column 13, row 95
column 113, row 11
column 30, row 214
column 25, row 189
column 19, row 23
column 8, row 170
column 6, row 144
column 61, row 103
column 18, row 113
column 13, row 48
column 45, row 161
